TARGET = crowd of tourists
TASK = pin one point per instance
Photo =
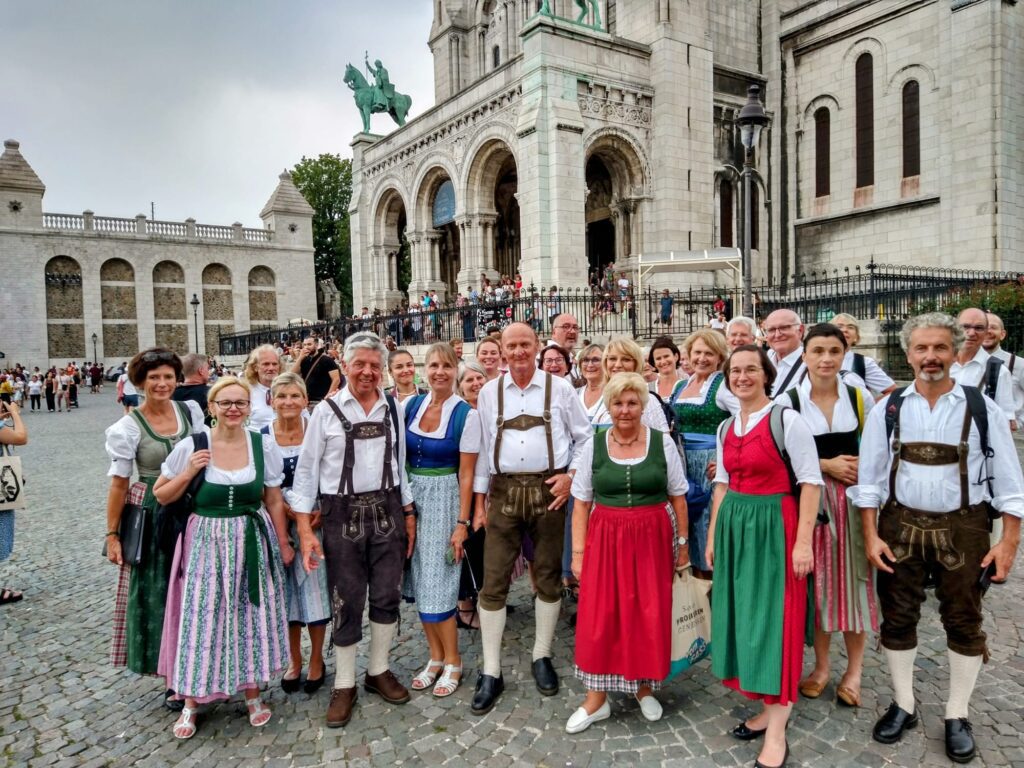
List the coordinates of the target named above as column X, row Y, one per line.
column 775, row 462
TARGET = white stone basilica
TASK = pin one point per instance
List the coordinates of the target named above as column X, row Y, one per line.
column 568, row 134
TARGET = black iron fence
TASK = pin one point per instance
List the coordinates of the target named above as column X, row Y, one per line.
column 887, row 293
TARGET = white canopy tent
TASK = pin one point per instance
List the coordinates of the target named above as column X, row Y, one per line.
column 727, row 260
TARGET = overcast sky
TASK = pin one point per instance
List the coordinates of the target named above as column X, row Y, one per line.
column 196, row 105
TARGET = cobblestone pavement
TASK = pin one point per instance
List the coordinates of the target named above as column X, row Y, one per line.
column 61, row 704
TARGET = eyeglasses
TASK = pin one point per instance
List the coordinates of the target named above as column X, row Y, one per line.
column 568, row 327
column 779, row 329
column 979, row 328
column 591, row 361
column 225, row 405
column 548, row 361
column 750, row 371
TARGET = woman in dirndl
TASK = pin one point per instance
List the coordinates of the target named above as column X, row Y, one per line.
column 16, row 434
column 226, row 623
column 630, row 494
column 844, row 588
column 442, row 443
column 141, row 441
column 759, row 546
column 308, row 603
column 701, row 404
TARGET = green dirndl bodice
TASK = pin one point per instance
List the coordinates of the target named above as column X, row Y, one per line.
column 147, row 590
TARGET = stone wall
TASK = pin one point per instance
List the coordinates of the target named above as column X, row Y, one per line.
column 263, row 307
column 66, row 341
column 169, row 303
column 217, row 304
column 175, row 337
column 118, row 302
column 120, row 339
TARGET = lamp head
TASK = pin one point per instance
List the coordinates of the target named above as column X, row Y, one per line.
column 752, row 118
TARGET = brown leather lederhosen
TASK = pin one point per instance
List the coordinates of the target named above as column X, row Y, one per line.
column 360, row 529
column 519, row 504
column 946, row 546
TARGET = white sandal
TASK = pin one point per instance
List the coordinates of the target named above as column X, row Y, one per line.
column 447, row 684
column 256, row 711
column 186, row 724
column 426, row 678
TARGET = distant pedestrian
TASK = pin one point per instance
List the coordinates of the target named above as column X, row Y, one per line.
column 16, row 434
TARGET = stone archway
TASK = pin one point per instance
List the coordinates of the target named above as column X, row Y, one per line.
column 65, row 315
column 616, row 191
column 263, row 298
column 492, row 236
column 117, row 303
column 218, row 305
column 437, row 257
column 389, row 251
column 170, row 307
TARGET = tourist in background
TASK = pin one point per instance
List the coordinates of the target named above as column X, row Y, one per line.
column 844, row 588
column 218, row 639
column 701, row 404
column 63, row 391
column 622, row 548
column 261, row 368
column 877, row 380
column 15, row 434
column 35, row 390
column 759, row 546
column 402, row 369
column 443, row 440
column 471, row 380
column 50, row 389
column 140, row 442
column 317, row 369
column 308, row 603
column 196, row 370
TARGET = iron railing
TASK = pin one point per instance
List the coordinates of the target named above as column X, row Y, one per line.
column 884, row 292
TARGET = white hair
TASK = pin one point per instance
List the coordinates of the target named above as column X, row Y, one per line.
column 932, row 320
column 364, row 340
column 741, row 320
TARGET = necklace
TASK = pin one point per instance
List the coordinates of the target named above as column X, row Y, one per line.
column 621, row 444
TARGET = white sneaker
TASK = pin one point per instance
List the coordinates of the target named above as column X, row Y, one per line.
column 650, row 707
column 580, row 720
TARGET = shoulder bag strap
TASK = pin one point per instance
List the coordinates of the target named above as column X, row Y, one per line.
column 794, row 398
column 777, row 426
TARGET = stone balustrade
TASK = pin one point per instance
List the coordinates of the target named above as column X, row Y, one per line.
column 140, row 225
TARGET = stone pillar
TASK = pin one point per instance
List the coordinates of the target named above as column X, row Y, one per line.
column 420, row 264
column 140, row 223
column 469, row 249
column 236, row 231
column 190, row 227
column 360, row 221
column 487, row 264
column 432, row 252
column 88, row 221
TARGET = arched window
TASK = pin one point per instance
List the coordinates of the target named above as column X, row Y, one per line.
column 865, row 134
column 726, row 216
column 911, row 129
column 496, row 56
column 822, row 151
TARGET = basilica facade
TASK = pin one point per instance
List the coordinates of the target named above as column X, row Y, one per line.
column 569, row 134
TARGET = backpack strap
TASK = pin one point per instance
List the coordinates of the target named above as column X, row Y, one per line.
column 1010, row 363
column 892, row 414
column 778, row 429
column 393, row 409
column 794, row 398
column 857, row 401
column 991, row 378
column 979, row 415
column 860, row 367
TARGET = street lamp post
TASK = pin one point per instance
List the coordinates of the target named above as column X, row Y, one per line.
column 195, row 317
column 752, row 119
column 95, row 338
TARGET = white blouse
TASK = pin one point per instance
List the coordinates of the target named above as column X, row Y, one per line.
column 844, row 417
column 803, row 454
column 273, row 464
column 724, row 399
column 874, row 377
column 652, row 416
column 470, row 441
column 124, row 434
column 583, row 463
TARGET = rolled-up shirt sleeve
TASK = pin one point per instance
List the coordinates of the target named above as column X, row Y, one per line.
column 873, row 466
column 306, row 483
column 273, row 463
column 1004, row 466
column 482, row 475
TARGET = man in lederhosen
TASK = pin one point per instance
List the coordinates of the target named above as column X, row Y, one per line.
column 935, row 488
column 530, row 421
column 353, row 455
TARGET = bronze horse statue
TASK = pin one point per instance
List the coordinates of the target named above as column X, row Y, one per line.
column 369, row 100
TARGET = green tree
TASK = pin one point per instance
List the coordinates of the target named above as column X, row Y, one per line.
column 326, row 183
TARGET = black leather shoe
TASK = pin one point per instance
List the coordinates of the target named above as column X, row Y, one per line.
column 545, row 676
column 785, row 759
column 959, row 740
column 175, row 705
column 745, row 733
column 311, row 686
column 488, row 689
column 291, row 686
column 890, row 726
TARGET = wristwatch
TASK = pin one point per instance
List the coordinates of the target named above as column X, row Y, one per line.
column 681, row 541
column 463, row 522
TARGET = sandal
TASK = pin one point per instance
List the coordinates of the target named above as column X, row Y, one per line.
column 811, row 688
column 10, row 596
column 474, row 621
column 847, row 695
column 185, row 726
column 447, row 684
column 259, row 713
column 426, row 678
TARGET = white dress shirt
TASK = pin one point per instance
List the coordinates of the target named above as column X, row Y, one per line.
column 803, row 454
column 527, row 450
column 323, row 450
column 1017, row 376
column 937, row 488
column 875, row 378
column 583, row 464
column 261, row 412
column 782, row 368
column 971, row 374
column 844, row 415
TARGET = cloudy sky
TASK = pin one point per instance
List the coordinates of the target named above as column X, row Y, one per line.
column 196, row 105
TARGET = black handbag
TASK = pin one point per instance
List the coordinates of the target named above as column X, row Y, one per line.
column 132, row 532
column 172, row 518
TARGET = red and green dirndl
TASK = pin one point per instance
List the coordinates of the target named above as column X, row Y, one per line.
column 758, row 606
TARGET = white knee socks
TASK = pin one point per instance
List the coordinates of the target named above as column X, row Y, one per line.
column 546, row 618
column 381, row 637
column 901, row 669
column 492, row 627
column 345, row 666
column 963, row 674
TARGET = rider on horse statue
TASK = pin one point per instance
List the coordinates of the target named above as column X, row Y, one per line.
column 383, row 91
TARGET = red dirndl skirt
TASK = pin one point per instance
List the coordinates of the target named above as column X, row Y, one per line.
column 624, row 622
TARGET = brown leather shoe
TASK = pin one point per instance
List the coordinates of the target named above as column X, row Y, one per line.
column 339, row 711
column 386, row 686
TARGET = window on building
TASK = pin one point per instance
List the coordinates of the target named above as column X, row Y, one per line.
column 822, row 151
column 496, row 57
column 865, row 132
column 911, row 129
column 726, row 215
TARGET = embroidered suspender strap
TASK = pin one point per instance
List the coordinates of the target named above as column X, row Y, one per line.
column 349, row 458
column 500, row 423
column 547, row 422
column 387, row 477
column 963, row 450
column 523, row 422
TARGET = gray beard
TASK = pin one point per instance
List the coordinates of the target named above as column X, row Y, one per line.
column 933, row 376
